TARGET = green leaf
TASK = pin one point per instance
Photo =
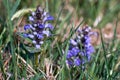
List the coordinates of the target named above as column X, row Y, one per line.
column 22, row 13
column 15, row 6
column 1, row 35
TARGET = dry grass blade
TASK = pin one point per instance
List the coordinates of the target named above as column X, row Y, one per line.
column 25, row 63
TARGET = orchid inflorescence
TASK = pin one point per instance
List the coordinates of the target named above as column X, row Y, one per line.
column 80, row 48
column 39, row 28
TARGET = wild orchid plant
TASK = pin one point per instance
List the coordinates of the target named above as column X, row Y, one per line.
column 38, row 28
column 80, row 48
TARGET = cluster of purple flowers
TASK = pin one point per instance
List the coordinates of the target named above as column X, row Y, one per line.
column 80, row 48
column 38, row 28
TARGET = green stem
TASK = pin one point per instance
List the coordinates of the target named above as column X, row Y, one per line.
column 36, row 59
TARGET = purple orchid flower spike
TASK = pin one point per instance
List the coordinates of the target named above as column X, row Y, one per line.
column 80, row 47
column 39, row 27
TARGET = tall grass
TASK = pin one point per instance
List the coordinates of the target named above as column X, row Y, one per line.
column 18, row 61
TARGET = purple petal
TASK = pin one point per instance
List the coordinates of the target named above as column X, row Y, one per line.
column 34, row 42
column 40, row 25
column 50, row 26
column 75, row 51
column 35, row 33
column 35, row 25
column 31, row 36
column 88, row 58
column 25, row 35
column 47, row 33
column 41, row 42
column 87, row 29
column 73, row 42
column 90, row 49
column 31, row 18
column 37, row 46
column 87, row 39
column 82, row 53
column 45, row 13
column 77, row 62
column 69, row 62
column 40, row 36
column 48, row 18
column 33, row 13
column 28, row 26
column 69, row 55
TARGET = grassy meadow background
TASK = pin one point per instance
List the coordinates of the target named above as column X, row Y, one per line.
column 20, row 61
